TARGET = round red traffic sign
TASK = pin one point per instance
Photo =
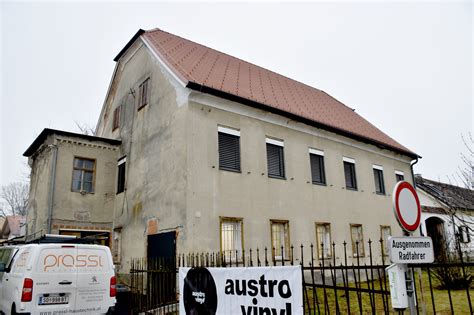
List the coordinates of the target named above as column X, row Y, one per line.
column 406, row 206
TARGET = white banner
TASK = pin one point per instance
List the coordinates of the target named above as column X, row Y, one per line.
column 236, row 290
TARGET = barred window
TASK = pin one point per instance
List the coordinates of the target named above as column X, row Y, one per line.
column 323, row 240
column 280, row 239
column 385, row 233
column 231, row 239
column 357, row 237
column 83, row 175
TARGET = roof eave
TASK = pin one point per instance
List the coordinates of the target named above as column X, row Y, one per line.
column 209, row 90
column 130, row 43
column 47, row 131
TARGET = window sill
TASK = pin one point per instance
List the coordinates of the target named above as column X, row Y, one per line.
column 229, row 170
column 83, row 192
column 380, row 193
column 352, row 189
column 319, row 184
column 277, row 177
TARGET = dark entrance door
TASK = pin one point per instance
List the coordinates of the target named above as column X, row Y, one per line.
column 162, row 245
column 435, row 229
column 161, row 280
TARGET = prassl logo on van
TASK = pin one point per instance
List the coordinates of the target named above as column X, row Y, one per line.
column 69, row 261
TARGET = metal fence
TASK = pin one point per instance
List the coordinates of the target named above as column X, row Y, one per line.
column 342, row 282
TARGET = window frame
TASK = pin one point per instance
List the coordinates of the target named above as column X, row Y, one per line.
column 385, row 252
column 401, row 174
column 319, row 155
column 286, row 249
column 230, row 132
column 378, row 179
column 233, row 259
column 121, row 164
column 144, row 93
column 354, row 251
column 94, row 171
column 353, row 174
column 276, row 143
column 320, row 254
column 116, row 117
column 463, row 231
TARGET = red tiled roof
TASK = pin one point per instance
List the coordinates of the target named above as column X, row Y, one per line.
column 203, row 67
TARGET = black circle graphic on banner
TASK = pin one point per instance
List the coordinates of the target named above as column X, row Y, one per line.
column 200, row 293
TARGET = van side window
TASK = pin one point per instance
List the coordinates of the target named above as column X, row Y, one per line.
column 5, row 256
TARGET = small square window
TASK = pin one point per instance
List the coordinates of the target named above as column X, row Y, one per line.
column 318, row 175
column 323, row 240
column 350, row 175
column 379, row 183
column 399, row 177
column 280, row 239
column 275, row 159
column 83, row 175
column 143, row 93
column 357, row 237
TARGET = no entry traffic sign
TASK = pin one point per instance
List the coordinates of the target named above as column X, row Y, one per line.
column 406, row 206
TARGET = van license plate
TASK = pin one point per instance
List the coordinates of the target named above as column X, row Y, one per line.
column 54, row 299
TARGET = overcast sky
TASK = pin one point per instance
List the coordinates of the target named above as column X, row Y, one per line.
column 406, row 67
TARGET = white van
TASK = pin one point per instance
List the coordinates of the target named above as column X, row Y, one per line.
column 49, row 279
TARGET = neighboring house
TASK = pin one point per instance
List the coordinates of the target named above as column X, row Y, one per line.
column 2, row 220
column 447, row 216
column 12, row 226
column 72, row 182
column 217, row 154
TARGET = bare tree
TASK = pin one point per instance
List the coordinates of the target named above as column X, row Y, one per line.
column 465, row 172
column 15, row 198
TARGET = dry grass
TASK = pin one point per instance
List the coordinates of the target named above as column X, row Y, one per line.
column 354, row 303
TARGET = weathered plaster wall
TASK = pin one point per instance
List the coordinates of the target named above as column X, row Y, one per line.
column 38, row 202
column 89, row 208
column 257, row 198
column 154, row 143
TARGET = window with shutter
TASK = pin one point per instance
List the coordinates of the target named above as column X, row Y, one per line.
column 357, row 237
column 143, row 93
column 323, row 240
column 116, row 121
column 317, row 167
column 275, row 159
column 229, row 149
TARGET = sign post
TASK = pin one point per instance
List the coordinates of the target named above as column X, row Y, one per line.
column 408, row 249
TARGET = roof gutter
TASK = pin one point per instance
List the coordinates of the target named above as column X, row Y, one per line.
column 209, row 90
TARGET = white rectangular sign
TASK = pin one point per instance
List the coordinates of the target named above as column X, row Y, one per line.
column 410, row 250
column 241, row 290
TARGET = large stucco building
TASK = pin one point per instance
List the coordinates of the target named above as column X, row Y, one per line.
column 196, row 150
